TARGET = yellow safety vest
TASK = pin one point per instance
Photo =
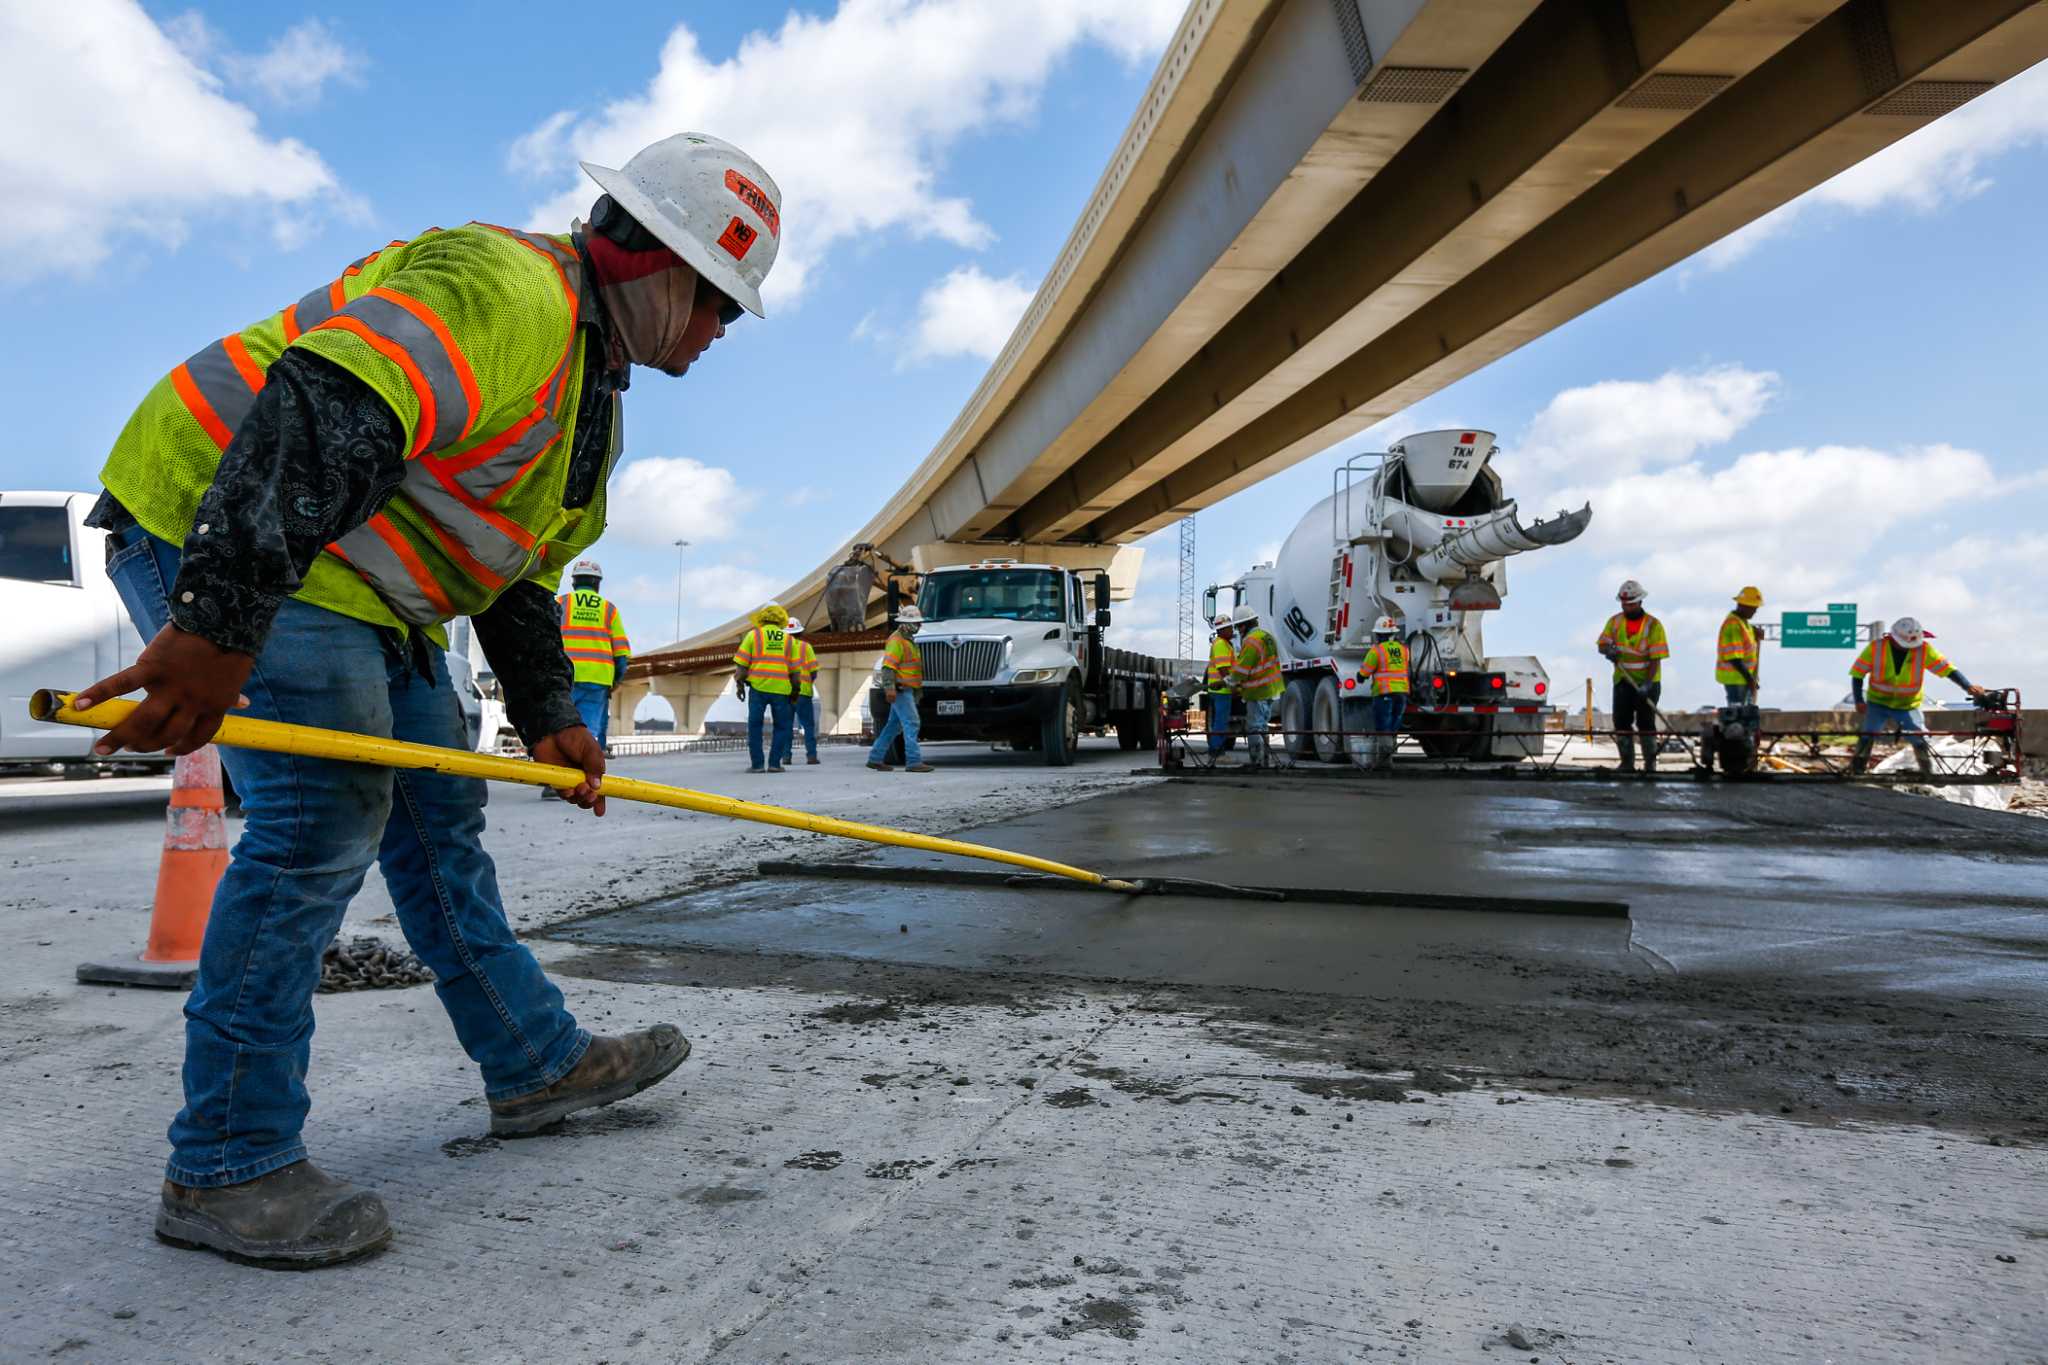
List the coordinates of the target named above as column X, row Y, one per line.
column 1638, row 657
column 764, row 657
column 1221, row 657
column 1738, row 643
column 471, row 335
column 1387, row 664
column 1257, row 672
column 593, row 637
column 1902, row 688
column 806, row 660
column 902, row 658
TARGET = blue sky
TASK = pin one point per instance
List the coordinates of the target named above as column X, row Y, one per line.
column 1845, row 405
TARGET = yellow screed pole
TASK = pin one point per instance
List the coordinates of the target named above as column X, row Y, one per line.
column 308, row 741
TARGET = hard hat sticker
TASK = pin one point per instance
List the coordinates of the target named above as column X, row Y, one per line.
column 738, row 239
column 750, row 195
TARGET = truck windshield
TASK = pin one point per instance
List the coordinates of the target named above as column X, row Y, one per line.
column 35, row 544
column 1003, row 594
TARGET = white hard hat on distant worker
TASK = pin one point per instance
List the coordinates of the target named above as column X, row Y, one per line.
column 1244, row 616
column 707, row 201
column 1386, row 625
column 795, row 626
column 1630, row 591
column 1908, row 633
column 910, row 616
column 1223, row 621
column 586, row 568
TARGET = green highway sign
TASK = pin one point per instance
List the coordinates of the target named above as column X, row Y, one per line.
column 1834, row 628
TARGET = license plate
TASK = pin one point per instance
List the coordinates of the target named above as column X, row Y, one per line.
column 952, row 708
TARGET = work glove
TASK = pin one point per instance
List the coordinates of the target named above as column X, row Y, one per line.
column 739, row 685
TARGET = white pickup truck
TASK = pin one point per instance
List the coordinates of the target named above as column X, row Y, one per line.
column 66, row 627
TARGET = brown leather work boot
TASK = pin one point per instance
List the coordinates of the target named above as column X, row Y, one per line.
column 611, row 1070
column 294, row 1218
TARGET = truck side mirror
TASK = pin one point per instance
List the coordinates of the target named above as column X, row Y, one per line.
column 1102, row 593
column 1209, row 604
column 1102, row 618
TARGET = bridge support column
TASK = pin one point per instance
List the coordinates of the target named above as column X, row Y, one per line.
column 691, row 695
column 626, row 699
column 842, row 691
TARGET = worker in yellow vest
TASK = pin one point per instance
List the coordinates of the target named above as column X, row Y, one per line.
column 296, row 511
column 1896, row 665
column 1255, row 678
column 804, row 662
column 766, row 681
column 900, row 676
column 1740, row 649
column 1385, row 670
column 595, row 640
column 1216, row 685
column 1634, row 641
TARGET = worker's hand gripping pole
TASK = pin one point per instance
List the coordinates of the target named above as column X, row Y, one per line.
column 308, row 741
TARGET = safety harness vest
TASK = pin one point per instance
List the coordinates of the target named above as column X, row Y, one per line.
column 1221, row 657
column 1903, row 687
column 1387, row 663
column 471, row 336
column 902, row 658
column 593, row 637
column 1257, row 673
column 1738, row 645
column 1638, row 658
column 763, row 656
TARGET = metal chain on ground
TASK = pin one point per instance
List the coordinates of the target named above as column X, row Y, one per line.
column 369, row 964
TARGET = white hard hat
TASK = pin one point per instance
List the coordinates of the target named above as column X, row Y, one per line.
column 1223, row 621
column 709, row 202
column 909, row 616
column 1244, row 616
column 586, row 568
column 795, row 626
column 1386, row 625
column 1908, row 632
column 1630, row 591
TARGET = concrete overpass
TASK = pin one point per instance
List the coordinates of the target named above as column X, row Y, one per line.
column 1325, row 210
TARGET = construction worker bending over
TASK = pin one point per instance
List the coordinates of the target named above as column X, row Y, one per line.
column 1896, row 665
column 1255, row 678
column 1740, row 650
column 295, row 512
column 1385, row 667
column 805, row 661
column 900, row 675
column 595, row 640
column 765, row 678
column 1216, row 699
column 1634, row 641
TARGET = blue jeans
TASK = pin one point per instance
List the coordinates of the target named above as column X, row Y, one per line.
column 807, row 717
column 1386, row 715
column 775, row 704
column 312, row 828
column 1907, row 720
column 1258, row 715
column 1738, row 693
column 902, row 721
column 1219, row 720
column 594, row 703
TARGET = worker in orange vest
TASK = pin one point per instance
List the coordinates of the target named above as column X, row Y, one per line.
column 1634, row 641
column 1896, row 665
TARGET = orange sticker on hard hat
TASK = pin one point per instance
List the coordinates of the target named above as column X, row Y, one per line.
column 750, row 195
column 738, row 238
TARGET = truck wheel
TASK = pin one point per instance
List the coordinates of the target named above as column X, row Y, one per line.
column 1127, row 735
column 1328, row 711
column 1297, row 716
column 1357, row 720
column 1060, row 732
column 1146, row 722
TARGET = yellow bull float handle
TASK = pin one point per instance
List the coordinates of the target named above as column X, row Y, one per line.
column 309, row 741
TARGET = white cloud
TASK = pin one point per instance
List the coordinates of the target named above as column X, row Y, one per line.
column 108, row 130
column 1621, row 425
column 967, row 313
column 296, row 67
column 902, row 81
column 655, row 501
column 1940, row 164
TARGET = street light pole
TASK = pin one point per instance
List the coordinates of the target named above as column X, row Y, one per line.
column 681, row 546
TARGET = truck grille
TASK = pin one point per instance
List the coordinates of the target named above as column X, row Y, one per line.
column 954, row 661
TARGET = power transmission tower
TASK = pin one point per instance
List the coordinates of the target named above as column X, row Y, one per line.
column 1190, row 628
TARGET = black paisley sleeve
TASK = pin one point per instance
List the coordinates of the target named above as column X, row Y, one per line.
column 316, row 457
column 521, row 634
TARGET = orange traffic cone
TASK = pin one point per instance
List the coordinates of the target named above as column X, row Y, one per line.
column 195, row 854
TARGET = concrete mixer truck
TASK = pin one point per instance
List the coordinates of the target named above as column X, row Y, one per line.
column 1422, row 533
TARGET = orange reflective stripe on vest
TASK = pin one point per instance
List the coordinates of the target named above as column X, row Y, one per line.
column 1388, row 663
column 902, row 657
column 1221, row 657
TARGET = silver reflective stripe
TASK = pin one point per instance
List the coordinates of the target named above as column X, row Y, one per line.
column 491, row 547
column 565, row 256
column 385, row 571
column 489, row 478
column 395, row 323
column 315, row 308
column 222, row 385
